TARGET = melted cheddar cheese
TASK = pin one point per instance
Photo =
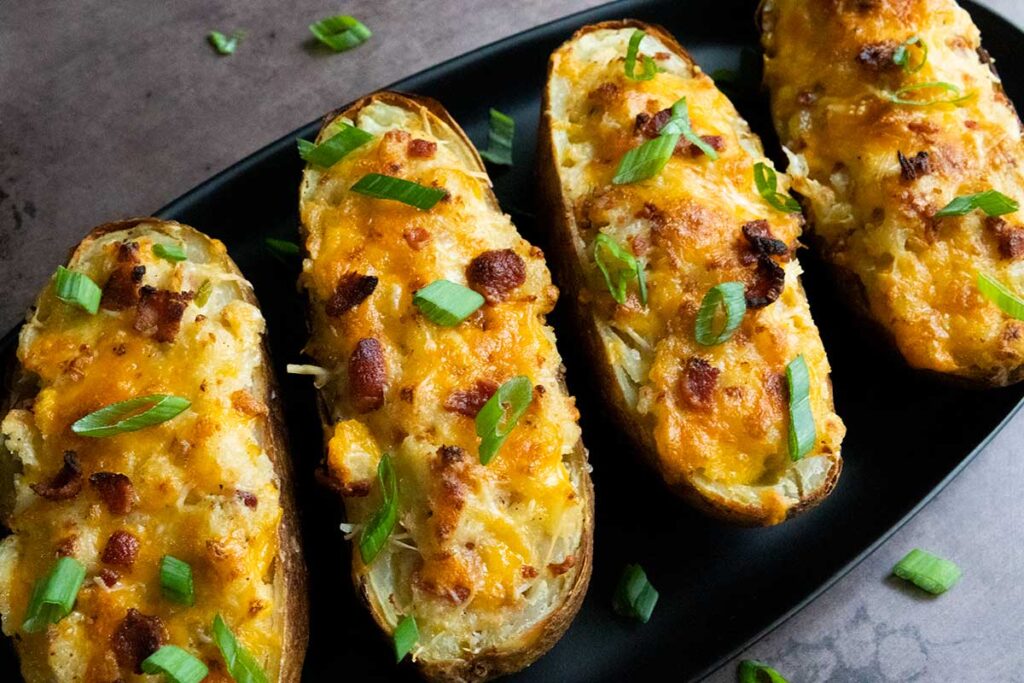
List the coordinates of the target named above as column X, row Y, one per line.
column 191, row 475
column 830, row 70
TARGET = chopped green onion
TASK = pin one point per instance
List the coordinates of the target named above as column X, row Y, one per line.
column 679, row 124
column 380, row 526
column 53, row 596
column 499, row 139
column 752, row 671
column 767, row 183
column 176, row 580
column 179, row 666
column 802, row 432
column 929, row 572
column 730, row 296
column 335, row 148
column 405, row 191
column 406, row 635
column 242, row 666
column 1001, row 296
column 646, row 160
column 499, row 416
column 956, row 95
column 992, row 202
column 78, row 289
column 635, row 597
column 650, row 68
column 130, row 415
column 902, row 57
column 446, row 303
column 340, row 33
column 203, row 293
column 622, row 267
column 171, row 252
column 225, row 45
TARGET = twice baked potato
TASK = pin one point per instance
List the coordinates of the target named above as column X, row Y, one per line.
column 639, row 257
column 490, row 560
column 908, row 155
column 99, row 493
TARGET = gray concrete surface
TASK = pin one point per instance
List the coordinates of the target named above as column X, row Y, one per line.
column 112, row 108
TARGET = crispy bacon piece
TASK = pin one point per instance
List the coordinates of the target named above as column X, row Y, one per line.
column 109, row 577
column 698, row 383
column 121, row 550
column 559, row 568
column 67, row 546
column 650, row 126
column 416, row 237
column 422, row 149
column 877, row 56
column 248, row 499
column 468, row 402
column 914, row 167
column 762, row 242
column 1010, row 237
column 116, row 491
column 158, row 313
column 766, row 287
column 496, row 273
column 352, row 289
column 687, row 148
column 66, row 483
column 528, row 572
column 121, row 290
column 367, row 375
column 137, row 637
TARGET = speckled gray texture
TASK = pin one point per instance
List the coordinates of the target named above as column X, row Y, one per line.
column 110, row 109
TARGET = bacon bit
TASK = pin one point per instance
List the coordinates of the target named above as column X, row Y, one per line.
column 777, row 388
column 67, row 546
column 248, row 499
column 761, row 241
column 122, row 548
column 470, row 401
column 459, row 594
column 109, row 577
column 247, row 404
column 423, row 149
column 528, row 572
column 687, row 148
column 650, row 126
column 769, row 280
column 652, row 213
column 352, row 289
column 451, row 455
column 1011, row 238
column 606, row 94
column 367, row 375
column 559, row 568
column 698, row 383
column 136, row 638
column 65, row 484
column 116, row 491
column 662, row 56
column 973, row 125
column 878, row 56
column 914, row 167
column 416, row 238
column 158, row 313
column 121, row 290
column 495, row 273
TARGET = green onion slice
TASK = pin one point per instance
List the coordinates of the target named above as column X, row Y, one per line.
column 335, row 148
column 179, row 666
column 53, row 596
column 753, row 671
column 902, row 57
column 242, row 666
column 679, row 124
column 992, row 202
column 767, row 183
column 646, row 160
column 406, row 635
column 499, row 139
column 340, row 33
column 929, row 572
column 1001, row 296
column 405, row 191
column 203, row 293
column 380, row 526
column 225, row 45
column 447, row 303
column 729, row 296
column 78, row 289
column 171, row 252
column 649, row 69
column 619, row 267
column 499, row 416
column 635, row 597
column 176, row 580
column 951, row 94
column 130, row 415
column 802, row 432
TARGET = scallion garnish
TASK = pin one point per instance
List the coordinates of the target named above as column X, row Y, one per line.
column 499, row 139
column 203, row 293
column 802, row 432
column 225, row 45
column 954, row 94
column 635, row 597
column 340, row 33
column 171, row 252
column 447, row 303
column 240, row 663
column 619, row 268
column 400, row 190
column 679, row 124
column 767, row 183
column 929, row 572
column 179, row 666
column 335, row 148
column 53, row 596
column 499, row 416
column 380, row 526
column 1001, row 296
column 646, row 160
column 650, row 68
column 130, row 415
column 77, row 289
column 730, row 296
column 902, row 57
column 992, row 202
column 406, row 635
column 176, row 580
column 752, row 671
